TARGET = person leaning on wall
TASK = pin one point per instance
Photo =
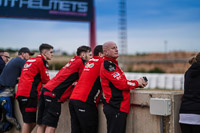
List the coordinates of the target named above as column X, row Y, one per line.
column 8, row 80
column 116, row 89
column 86, row 96
column 34, row 74
column 58, row 90
column 190, row 106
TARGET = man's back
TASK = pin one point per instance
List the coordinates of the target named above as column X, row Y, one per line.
column 88, row 87
column 35, row 72
column 11, row 72
column 2, row 64
column 65, row 77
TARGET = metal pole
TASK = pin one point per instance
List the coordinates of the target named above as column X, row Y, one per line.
column 93, row 31
column 161, row 124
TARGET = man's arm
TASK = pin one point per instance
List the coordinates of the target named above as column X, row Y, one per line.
column 118, row 79
column 44, row 73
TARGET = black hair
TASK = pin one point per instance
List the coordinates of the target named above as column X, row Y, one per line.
column 98, row 49
column 45, row 46
column 1, row 52
column 82, row 49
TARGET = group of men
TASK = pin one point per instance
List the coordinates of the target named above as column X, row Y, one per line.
column 82, row 80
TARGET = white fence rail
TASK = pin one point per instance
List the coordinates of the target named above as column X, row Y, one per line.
column 161, row 81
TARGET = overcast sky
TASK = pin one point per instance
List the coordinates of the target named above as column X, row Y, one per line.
column 150, row 24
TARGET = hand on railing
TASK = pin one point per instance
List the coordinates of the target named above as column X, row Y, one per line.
column 142, row 82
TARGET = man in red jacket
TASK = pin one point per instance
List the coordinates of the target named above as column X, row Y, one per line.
column 86, row 95
column 34, row 74
column 116, row 89
column 58, row 89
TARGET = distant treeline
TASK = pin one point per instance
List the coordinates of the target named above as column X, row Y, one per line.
column 154, row 70
column 11, row 50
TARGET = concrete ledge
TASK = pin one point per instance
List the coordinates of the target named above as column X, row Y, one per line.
column 144, row 122
column 139, row 119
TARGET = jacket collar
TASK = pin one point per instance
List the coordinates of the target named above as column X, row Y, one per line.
column 41, row 56
column 97, row 57
column 77, row 57
column 111, row 59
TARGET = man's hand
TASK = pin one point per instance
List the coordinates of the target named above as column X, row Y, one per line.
column 142, row 83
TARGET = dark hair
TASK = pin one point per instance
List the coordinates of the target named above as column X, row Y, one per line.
column 82, row 49
column 25, row 50
column 195, row 59
column 1, row 52
column 45, row 46
column 98, row 49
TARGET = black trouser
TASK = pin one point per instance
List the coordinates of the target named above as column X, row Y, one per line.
column 187, row 128
column 84, row 117
column 49, row 109
column 116, row 120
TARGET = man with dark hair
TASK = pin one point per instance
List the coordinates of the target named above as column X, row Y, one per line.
column 1, row 52
column 83, row 52
column 4, row 58
column 58, row 89
column 8, row 80
column 34, row 74
column 45, row 46
column 116, row 89
column 86, row 95
column 98, row 51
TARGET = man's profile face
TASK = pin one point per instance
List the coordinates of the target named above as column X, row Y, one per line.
column 87, row 55
column 48, row 54
column 26, row 56
column 112, row 51
column 6, row 57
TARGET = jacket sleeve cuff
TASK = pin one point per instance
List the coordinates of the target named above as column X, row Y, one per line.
column 132, row 84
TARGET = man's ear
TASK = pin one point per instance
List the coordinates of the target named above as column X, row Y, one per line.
column 22, row 54
column 100, row 54
column 44, row 51
column 104, row 52
column 82, row 54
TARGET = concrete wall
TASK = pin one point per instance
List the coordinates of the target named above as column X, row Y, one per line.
column 142, row 121
column 139, row 119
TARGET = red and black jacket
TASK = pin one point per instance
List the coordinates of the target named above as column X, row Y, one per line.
column 88, row 88
column 34, row 74
column 61, row 84
column 115, row 86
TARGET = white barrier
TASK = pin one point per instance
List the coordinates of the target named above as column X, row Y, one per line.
column 161, row 81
